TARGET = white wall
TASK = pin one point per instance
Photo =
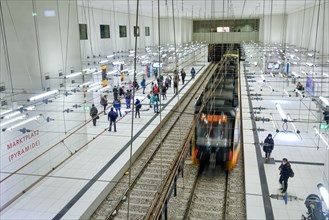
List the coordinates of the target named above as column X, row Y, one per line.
column 305, row 35
column 38, row 45
column 97, row 46
column 274, row 33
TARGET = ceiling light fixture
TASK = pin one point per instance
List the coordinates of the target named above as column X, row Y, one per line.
column 322, row 138
column 21, row 123
column 85, row 84
column 13, row 120
column 324, row 193
column 324, row 100
column 43, row 95
column 72, row 75
column 281, row 112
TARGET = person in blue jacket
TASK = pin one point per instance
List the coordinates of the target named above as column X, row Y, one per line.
column 193, row 72
column 143, row 84
column 112, row 117
column 117, row 106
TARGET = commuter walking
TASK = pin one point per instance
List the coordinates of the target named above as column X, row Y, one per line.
column 138, row 106
column 268, row 146
column 117, row 106
column 164, row 92
column 155, row 101
column 122, row 91
column 93, row 114
column 143, row 84
column 176, row 80
column 192, row 72
column 285, row 170
column 128, row 99
column 115, row 92
column 183, row 74
column 103, row 102
column 112, row 117
column 156, row 91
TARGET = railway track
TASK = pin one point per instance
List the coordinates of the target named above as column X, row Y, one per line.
column 218, row 194
column 156, row 161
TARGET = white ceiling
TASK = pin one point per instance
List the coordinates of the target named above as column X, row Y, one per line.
column 203, row 9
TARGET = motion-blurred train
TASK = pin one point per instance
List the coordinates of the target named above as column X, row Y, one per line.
column 217, row 133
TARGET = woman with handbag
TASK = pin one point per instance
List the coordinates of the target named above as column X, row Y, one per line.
column 94, row 114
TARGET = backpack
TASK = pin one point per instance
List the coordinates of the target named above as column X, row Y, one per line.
column 291, row 174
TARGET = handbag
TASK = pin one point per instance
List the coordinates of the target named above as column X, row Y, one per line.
column 97, row 117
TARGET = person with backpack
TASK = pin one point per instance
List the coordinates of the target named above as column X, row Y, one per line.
column 268, row 146
column 138, row 106
column 93, row 114
column 285, row 173
column 103, row 102
column 112, row 117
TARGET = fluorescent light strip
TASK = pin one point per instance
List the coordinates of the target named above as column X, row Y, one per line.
column 22, row 123
column 324, row 100
column 91, row 71
column 324, row 193
column 103, row 61
column 5, row 112
column 94, row 88
column 299, row 93
column 98, row 72
column 33, row 98
column 118, row 63
column 12, row 114
column 281, row 112
column 104, row 88
column 85, row 84
column 310, row 55
column 273, row 122
column 94, row 84
column 112, row 72
column 295, row 74
column 309, row 64
column 285, row 91
column 322, row 138
column 326, row 74
column 32, row 107
column 293, row 125
column 12, row 120
column 72, row 75
column 110, row 56
column 263, row 77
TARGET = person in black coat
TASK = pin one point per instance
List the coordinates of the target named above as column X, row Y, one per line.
column 268, row 146
column 285, row 169
column 93, row 114
column 112, row 117
column 138, row 106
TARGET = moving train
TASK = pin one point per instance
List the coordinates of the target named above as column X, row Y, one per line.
column 217, row 133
